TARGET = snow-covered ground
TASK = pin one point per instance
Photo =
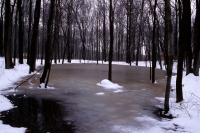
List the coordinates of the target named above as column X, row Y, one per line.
column 186, row 113
column 7, row 80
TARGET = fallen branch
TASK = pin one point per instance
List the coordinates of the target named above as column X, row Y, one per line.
column 195, row 95
column 27, row 79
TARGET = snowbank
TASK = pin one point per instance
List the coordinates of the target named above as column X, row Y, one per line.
column 9, row 129
column 8, row 77
column 108, row 84
column 42, row 86
column 5, row 104
column 187, row 112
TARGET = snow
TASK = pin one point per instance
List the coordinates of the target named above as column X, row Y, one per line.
column 186, row 113
column 8, row 77
column 108, row 84
column 5, row 104
column 100, row 93
column 42, row 86
column 149, row 125
column 9, row 129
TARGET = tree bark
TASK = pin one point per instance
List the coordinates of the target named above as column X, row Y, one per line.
column 168, row 29
column 182, row 48
column 1, row 30
column 7, row 36
column 197, row 40
column 104, row 33
column 29, row 31
column 111, row 19
column 187, row 27
column 47, row 65
column 20, row 32
column 33, row 51
column 154, row 44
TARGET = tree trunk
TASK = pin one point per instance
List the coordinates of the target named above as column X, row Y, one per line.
column 47, row 65
column 183, row 39
column 20, row 32
column 154, row 44
column 104, row 33
column 1, row 29
column 33, row 51
column 69, row 34
column 111, row 19
column 197, row 40
column 97, row 36
column 15, row 42
column 29, row 31
column 176, row 31
column 7, row 36
column 168, row 29
column 187, row 27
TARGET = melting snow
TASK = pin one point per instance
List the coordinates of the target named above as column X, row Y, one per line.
column 108, row 84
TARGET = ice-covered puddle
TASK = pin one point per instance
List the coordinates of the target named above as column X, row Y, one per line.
column 36, row 115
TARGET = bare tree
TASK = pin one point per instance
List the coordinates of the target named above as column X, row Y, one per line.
column 183, row 39
column 168, row 32
column 34, row 37
column 48, row 47
column 1, row 28
column 20, row 32
column 111, row 19
column 7, row 36
column 197, row 40
column 154, row 43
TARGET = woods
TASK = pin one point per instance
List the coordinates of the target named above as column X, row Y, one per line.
column 125, row 30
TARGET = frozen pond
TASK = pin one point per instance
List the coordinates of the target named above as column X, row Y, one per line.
column 92, row 108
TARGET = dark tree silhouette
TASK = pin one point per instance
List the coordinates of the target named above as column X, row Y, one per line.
column 48, row 47
column 33, row 51
column 154, row 43
column 7, row 36
column 111, row 19
column 20, row 32
column 168, row 32
column 197, row 40
column 183, row 40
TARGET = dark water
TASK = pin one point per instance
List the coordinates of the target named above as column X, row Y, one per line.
column 37, row 115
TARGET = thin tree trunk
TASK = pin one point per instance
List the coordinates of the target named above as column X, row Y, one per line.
column 97, row 36
column 187, row 27
column 168, row 28
column 182, row 46
column 20, row 32
column 15, row 42
column 47, row 65
column 1, row 29
column 29, row 31
column 154, row 44
column 7, row 36
column 34, row 39
column 197, row 40
column 111, row 18
column 104, row 33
